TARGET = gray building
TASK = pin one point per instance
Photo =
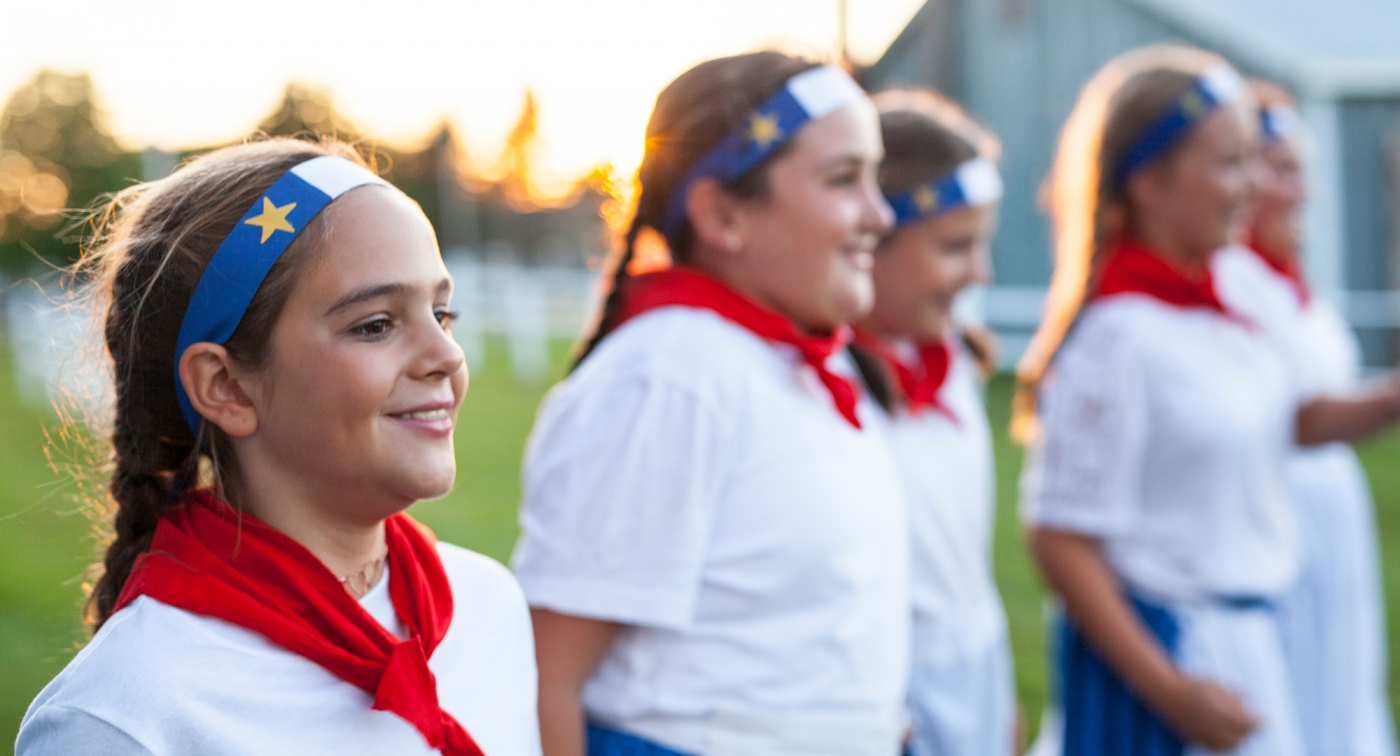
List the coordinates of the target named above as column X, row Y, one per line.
column 1017, row 65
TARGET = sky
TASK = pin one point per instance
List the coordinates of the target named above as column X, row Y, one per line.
column 196, row 72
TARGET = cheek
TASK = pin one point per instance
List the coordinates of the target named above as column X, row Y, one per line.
column 333, row 388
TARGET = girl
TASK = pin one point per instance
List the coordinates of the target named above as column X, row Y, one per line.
column 1156, row 492
column 1332, row 620
column 940, row 178
column 713, row 547
column 286, row 385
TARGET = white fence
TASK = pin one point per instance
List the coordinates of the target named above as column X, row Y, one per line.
column 52, row 341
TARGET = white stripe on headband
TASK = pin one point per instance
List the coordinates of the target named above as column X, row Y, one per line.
column 824, row 90
column 812, row 94
column 1279, row 121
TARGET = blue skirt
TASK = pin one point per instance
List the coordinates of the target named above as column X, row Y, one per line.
column 1101, row 716
column 604, row 741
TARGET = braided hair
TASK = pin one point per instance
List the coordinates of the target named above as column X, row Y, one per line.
column 150, row 247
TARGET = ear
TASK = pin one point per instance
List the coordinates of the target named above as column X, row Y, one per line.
column 208, row 375
column 1147, row 186
column 717, row 216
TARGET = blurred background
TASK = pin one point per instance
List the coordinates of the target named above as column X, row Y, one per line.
column 518, row 127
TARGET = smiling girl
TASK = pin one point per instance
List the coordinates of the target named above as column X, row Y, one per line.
column 714, row 548
column 940, row 177
column 286, row 385
column 1155, row 488
column 1333, row 620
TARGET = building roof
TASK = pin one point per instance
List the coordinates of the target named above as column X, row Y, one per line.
column 1322, row 47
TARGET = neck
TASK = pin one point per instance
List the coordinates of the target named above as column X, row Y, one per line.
column 1170, row 246
column 888, row 329
column 326, row 528
column 737, row 276
column 1280, row 246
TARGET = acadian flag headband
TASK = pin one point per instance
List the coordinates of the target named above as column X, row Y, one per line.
column 1216, row 87
column 1279, row 122
column 974, row 184
column 810, row 95
column 242, row 261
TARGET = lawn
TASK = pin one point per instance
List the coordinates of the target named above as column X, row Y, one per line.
column 45, row 540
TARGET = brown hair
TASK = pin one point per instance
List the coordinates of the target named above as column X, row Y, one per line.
column 1087, row 198
column 927, row 136
column 692, row 114
column 150, row 246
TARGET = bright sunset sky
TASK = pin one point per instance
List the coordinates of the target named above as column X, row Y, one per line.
column 194, row 72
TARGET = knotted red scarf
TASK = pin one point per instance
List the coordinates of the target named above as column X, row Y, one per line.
column 212, row 560
column 920, row 384
column 688, row 287
column 1134, row 269
column 1290, row 271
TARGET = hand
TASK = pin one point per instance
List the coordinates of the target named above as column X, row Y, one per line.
column 1207, row 713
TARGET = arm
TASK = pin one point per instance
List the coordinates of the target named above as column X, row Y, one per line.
column 567, row 648
column 1198, row 710
column 1349, row 418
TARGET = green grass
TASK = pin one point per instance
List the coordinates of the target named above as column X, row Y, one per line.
column 45, row 541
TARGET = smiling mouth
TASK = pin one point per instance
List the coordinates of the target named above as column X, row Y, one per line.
column 437, row 414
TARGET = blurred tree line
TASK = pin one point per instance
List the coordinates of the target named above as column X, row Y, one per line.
column 58, row 157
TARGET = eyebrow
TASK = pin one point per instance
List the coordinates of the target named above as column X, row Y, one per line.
column 845, row 160
column 377, row 291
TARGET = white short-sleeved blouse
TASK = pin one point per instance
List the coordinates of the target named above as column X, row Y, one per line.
column 695, row 482
column 949, row 478
column 1166, row 433
column 157, row 680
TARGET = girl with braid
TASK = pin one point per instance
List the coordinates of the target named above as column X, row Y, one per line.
column 926, row 371
column 714, row 543
column 286, row 385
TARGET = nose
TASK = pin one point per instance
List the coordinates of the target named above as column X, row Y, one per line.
column 876, row 216
column 439, row 355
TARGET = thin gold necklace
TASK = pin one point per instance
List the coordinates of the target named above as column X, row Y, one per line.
column 359, row 582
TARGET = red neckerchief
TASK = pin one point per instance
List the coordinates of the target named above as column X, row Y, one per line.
column 1134, row 269
column 212, row 560
column 920, row 384
column 1290, row 271
column 688, row 287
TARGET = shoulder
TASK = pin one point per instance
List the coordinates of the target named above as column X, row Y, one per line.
column 479, row 577
column 687, row 347
column 152, row 658
column 1113, row 327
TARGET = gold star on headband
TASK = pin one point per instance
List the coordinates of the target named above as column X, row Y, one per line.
column 273, row 218
column 763, row 130
column 925, row 198
column 1192, row 103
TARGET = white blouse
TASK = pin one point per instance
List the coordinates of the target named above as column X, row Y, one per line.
column 158, row 680
column 950, row 479
column 693, row 481
column 1166, row 433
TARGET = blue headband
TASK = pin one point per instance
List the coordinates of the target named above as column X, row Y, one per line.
column 1212, row 89
column 973, row 184
column 1278, row 122
column 238, row 267
column 810, row 95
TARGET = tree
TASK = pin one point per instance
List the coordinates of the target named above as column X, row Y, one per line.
column 307, row 111
column 55, row 153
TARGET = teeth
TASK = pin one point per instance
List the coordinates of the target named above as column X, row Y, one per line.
column 437, row 414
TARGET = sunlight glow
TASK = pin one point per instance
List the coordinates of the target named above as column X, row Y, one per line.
column 181, row 74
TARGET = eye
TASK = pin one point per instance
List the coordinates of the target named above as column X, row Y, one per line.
column 446, row 318
column 374, row 329
column 844, row 178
